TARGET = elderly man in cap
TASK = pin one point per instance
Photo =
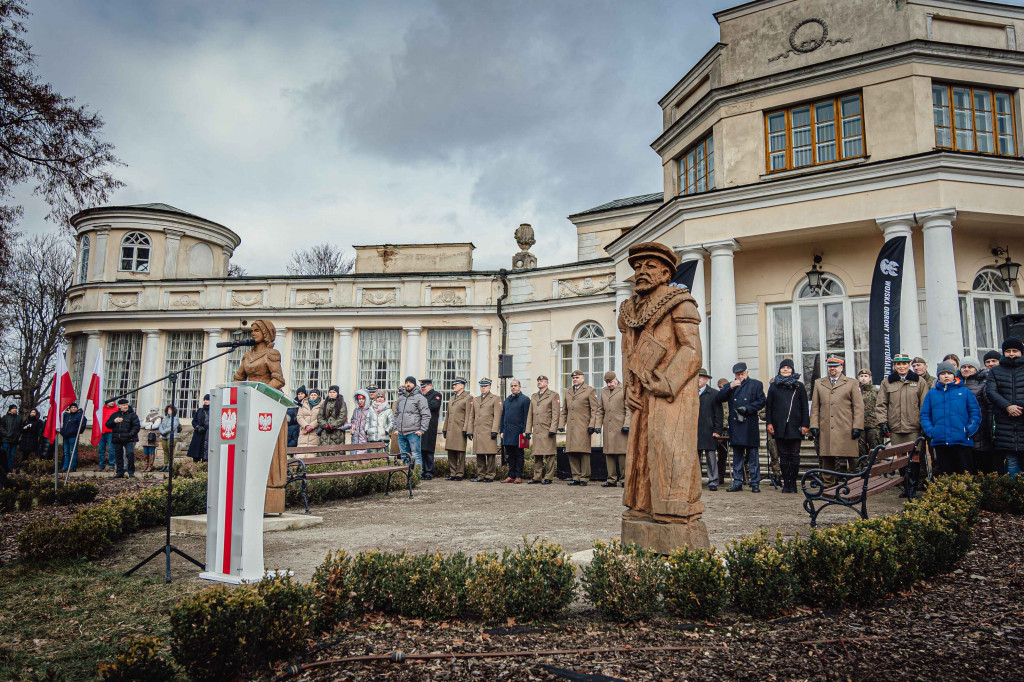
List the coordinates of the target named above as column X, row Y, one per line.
column 709, row 426
column 514, row 413
column 428, row 443
column 483, row 426
column 124, row 427
column 920, row 367
column 871, row 436
column 837, row 417
column 454, row 429
column 746, row 397
column 580, row 420
column 614, row 419
column 541, row 424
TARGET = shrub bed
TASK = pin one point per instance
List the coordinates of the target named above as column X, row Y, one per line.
column 27, row 492
column 624, row 582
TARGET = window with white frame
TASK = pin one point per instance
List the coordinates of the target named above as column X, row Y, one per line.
column 183, row 349
column 380, row 358
column 78, row 364
column 312, row 359
column 818, row 324
column 448, row 355
column 135, row 247
column 83, row 260
column 590, row 352
column 982, row 311
column 234, row 358
column 122, row 364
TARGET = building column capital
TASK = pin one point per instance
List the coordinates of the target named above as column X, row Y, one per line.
column 151, row 332
column 213, row 330
column 93, row 334
column 482, row 330
column 171, row 233
column 722, row 247
column 413, row 330
column 103, row 230
column 344, row 331
column 896, row 225
column 692, row 252
column 936, row 217
column 622, row 288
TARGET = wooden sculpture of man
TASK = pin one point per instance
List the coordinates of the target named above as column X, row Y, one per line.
column 661, row 355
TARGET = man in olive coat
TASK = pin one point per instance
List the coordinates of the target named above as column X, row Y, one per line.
column 482, row 427
column 580, row 420
column 541, row 424
column 837, row 417
column 455, row 431
column 614, row 420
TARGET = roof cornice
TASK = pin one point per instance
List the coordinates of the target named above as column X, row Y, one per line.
column 693, row 74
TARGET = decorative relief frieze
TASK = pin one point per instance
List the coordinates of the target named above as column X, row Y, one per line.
column 75, row 303
column 583, row 286
column 807, row 36
column 246, row 299
column 448, row 296
column 185, row 299
column 379, row 297
column 313, row 298
column 124, row 300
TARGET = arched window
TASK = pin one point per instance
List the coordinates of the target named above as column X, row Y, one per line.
column 135, row 248
column 982, row 311
column 591, row 352
column 83, row 260
column 818, row 324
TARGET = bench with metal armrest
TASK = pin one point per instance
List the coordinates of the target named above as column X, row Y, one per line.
column 324, row 454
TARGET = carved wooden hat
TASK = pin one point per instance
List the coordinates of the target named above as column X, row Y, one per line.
column 654, row 250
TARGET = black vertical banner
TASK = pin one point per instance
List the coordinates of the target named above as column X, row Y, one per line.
column 884, row 316
column 684, row 274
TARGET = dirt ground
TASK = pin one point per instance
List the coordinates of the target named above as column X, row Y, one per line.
column 474, row 517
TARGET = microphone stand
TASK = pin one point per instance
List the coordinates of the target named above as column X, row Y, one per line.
column 168, row 548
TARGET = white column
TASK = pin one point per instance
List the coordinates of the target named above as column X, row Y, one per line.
column 623, row 290
column 172, row 244
column 225, row 261
column 281, row 343
column 696, row 253
column 150, row 397
column 412, row 351
column 213, row 372
column 483, row 354
column 723, row 308
column 343, row 360
column 942, row 302
column 92, row 345
column 910, row 316
column 99, row 268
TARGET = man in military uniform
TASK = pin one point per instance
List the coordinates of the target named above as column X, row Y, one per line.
column 429, row 441
column 871, row 436
column 580, row 420
column 454, row 429
column 614, row 420
column 837, row 417
column 541, row 424
column 482, row 428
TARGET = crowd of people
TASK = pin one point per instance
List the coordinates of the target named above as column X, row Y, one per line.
column 971, row 414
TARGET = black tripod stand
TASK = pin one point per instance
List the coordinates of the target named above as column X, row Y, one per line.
column 168, row 548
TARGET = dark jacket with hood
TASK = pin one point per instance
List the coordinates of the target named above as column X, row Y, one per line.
column 31, row 439
column 73, row 425
column 199, row 446
column 983, row 437
column 786, row 407
column 1005, row 387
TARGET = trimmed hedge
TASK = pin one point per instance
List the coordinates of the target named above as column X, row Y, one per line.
column 624, row 582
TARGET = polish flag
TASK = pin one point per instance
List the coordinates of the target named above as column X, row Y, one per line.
column 62, row 394
column 94, row 394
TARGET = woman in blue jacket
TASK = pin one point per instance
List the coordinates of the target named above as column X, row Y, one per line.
column 950, row 415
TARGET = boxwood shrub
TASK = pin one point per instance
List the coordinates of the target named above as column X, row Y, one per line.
column 696, row 584
column 624, row 582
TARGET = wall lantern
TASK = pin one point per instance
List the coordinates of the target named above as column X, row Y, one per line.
column 814, row 276
column 1008, row 270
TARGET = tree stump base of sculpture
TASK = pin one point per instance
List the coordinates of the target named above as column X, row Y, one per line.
column 665, row 538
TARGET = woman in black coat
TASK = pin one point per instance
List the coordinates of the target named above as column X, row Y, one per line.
column 1005, row 390
column 31, row 441
column 199, row 447
column 788, row 420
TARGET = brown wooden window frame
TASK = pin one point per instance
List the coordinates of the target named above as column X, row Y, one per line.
column 974, row 116
column 690, row 161
column 815, row 127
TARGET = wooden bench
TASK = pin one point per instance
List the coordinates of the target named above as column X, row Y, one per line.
column 323, row 454
column 877, row 471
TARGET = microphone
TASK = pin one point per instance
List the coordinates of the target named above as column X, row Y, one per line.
column 236, row 344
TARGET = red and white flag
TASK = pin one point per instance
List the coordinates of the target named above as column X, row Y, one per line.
column 95, row 394
column 62, row 394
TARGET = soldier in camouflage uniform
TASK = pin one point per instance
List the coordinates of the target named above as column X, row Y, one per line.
column 871, row 436
column 774, row 466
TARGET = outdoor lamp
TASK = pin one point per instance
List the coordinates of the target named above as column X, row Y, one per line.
column 814, row 276
column 1008, row 270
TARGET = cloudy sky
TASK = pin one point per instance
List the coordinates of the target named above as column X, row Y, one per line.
column 378, row 121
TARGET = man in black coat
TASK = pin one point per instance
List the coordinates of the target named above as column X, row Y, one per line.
column 709, row 426
column 513, row 425
column 746, row 398
column 1005, row 390
column 428, row 444
column 199, row 446
column 124, row 428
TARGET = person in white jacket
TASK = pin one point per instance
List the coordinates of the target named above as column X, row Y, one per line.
column 151, row 425
column 382, row 419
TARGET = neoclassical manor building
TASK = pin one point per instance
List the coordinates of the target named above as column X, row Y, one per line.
column 813, row 128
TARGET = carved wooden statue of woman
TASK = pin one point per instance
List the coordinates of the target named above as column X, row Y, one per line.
column 262, row 362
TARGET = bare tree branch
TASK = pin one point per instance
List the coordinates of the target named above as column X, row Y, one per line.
column 321, row 259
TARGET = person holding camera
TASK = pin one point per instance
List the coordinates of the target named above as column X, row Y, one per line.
column 746, row 398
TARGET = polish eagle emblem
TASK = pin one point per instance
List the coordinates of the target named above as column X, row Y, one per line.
column 228, row 423
column 265, row 421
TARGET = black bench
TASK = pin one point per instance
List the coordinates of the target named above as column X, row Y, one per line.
column 877, row 471
column 322, row 454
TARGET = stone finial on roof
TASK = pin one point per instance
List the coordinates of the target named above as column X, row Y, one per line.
column 524, row 260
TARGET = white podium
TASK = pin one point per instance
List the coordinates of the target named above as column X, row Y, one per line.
column 245, row 422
